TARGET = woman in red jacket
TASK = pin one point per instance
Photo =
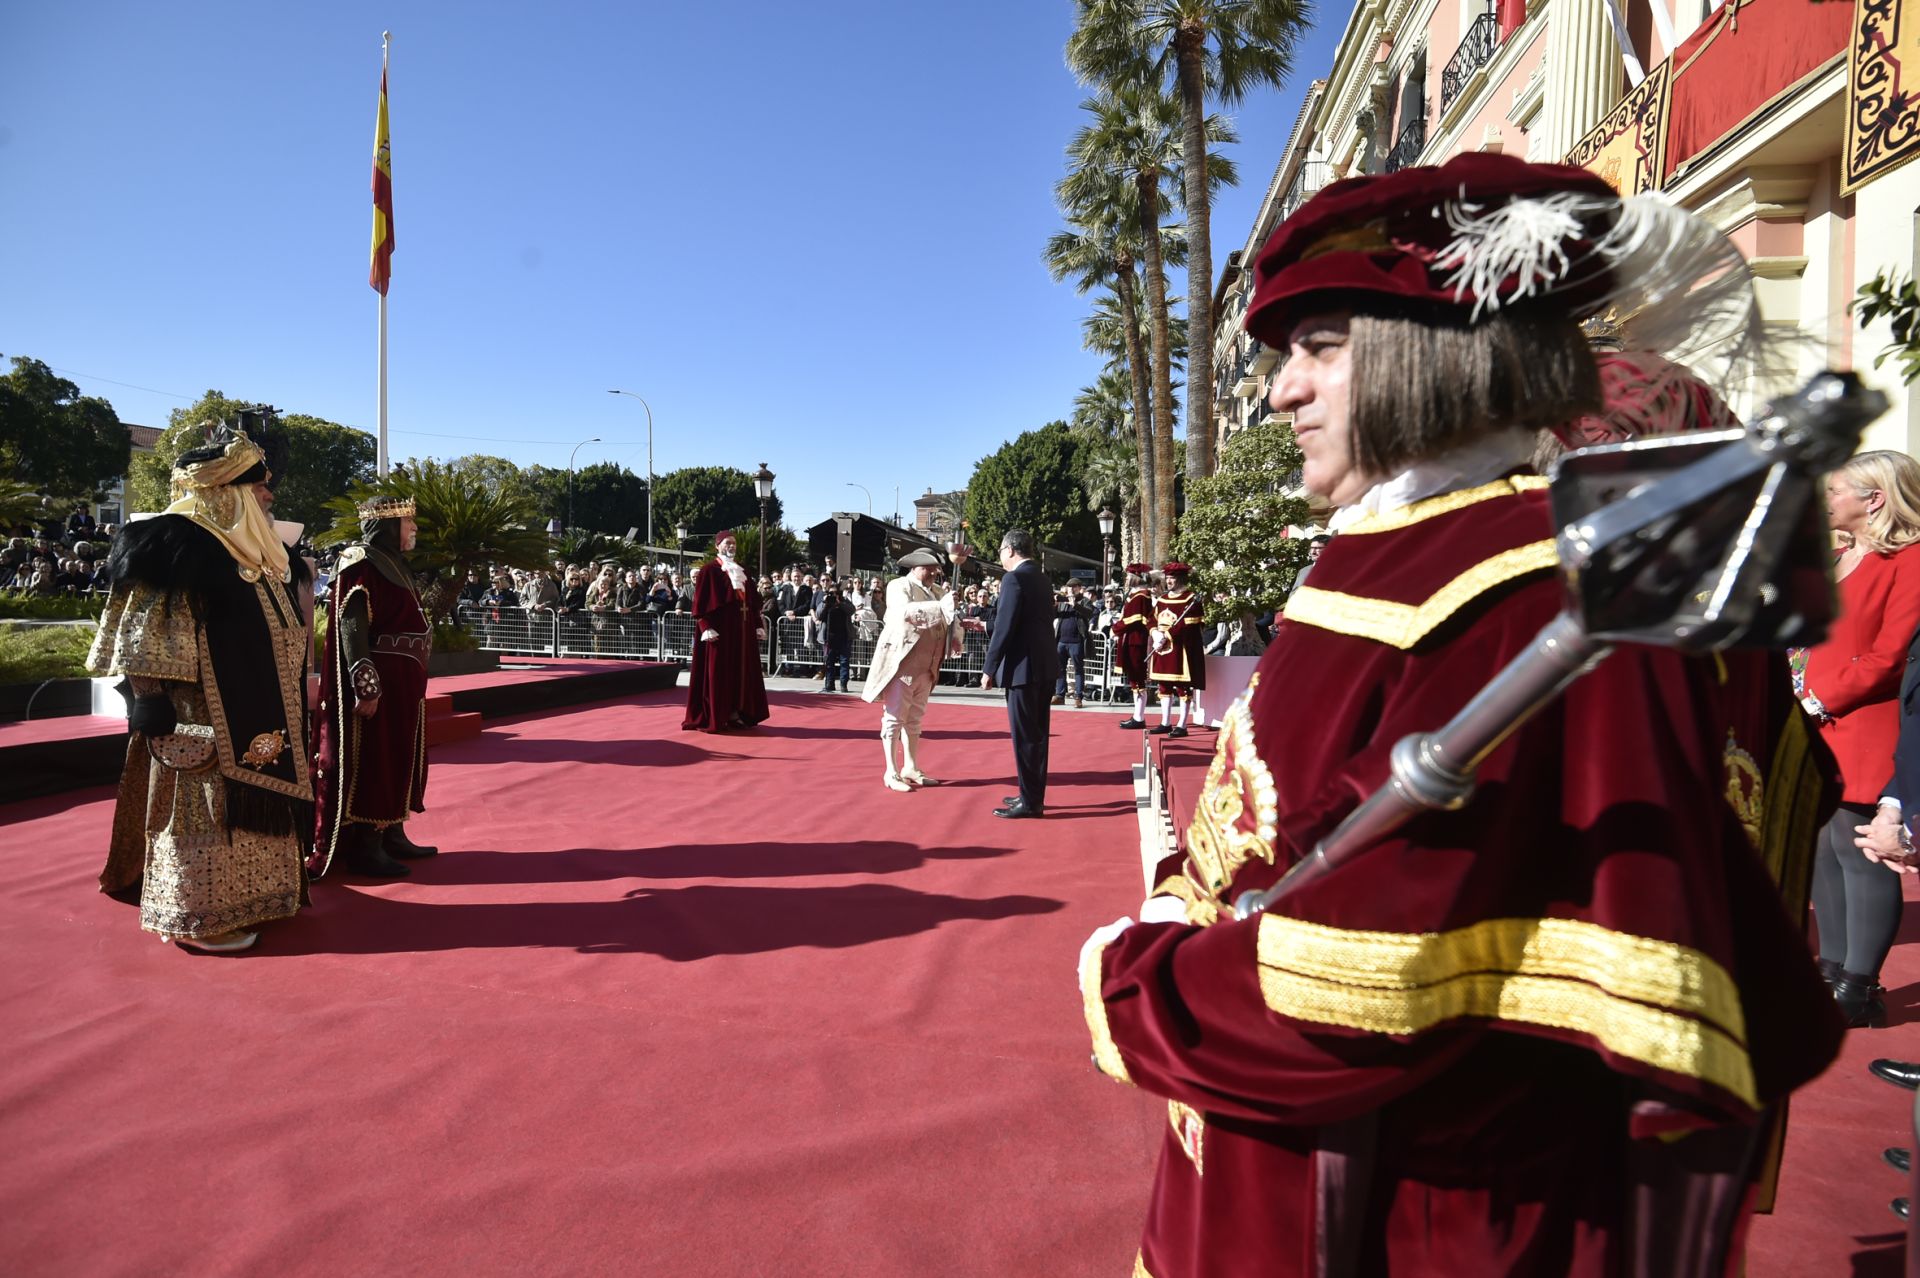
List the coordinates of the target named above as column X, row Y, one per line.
column 1851, row 684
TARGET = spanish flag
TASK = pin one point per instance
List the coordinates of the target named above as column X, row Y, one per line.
column 382, row 267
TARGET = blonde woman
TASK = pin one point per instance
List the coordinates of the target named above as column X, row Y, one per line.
column 1851, row 684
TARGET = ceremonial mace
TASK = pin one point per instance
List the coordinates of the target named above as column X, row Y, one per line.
column 1696, row 542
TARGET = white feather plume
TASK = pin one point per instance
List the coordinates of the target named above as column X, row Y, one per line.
column 1522, row 240
column 1679, row 286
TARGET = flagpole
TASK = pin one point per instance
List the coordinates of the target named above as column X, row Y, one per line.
column 385, row 38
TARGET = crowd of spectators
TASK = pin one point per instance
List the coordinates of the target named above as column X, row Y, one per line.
column 56, row 556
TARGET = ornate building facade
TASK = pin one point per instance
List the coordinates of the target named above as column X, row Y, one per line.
column 1785, row 122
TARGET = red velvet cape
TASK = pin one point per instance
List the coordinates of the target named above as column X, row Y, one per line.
column 1591, row 950
column 372, row 771
column 726, row 680
column 1130, row 637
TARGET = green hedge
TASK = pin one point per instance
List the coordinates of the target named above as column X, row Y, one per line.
column 33, row 654
column 51, row 607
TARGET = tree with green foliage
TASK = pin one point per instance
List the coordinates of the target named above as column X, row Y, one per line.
column 1234, row 532
column 706, row 499
column 1896, row 298
column 324, row 458
column 1221, row 49
column 498, row 472
column 606, row 496
column 54, row 439
column 1033, row 482
column 784, row 546
column 463, row 524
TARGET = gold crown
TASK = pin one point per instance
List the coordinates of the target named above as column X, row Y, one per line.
column 386, row 508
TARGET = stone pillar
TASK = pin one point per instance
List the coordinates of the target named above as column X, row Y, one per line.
column 1583, row 74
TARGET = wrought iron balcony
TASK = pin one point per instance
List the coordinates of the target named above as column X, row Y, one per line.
column 1476, row 50
column 1407, row 147
column 1307, row 179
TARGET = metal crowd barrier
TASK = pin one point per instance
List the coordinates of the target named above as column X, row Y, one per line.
column 790, row 648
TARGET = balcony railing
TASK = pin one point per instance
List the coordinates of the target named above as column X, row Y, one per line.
column 1407, row 147
column 1309, row 178
column 1475, row 51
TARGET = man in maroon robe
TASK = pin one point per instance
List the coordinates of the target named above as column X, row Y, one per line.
column 370, row 740
column 1548, row 1032
column 726, row 688
column 1130, row 640
column 1176, row 661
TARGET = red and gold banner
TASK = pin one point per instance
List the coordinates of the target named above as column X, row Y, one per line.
column 381, row 269
column 1883, row 108
column 1629, row 147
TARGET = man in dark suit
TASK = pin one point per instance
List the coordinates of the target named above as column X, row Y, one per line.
column 1020, row 658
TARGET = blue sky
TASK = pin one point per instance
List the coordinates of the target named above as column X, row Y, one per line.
column 808, row 235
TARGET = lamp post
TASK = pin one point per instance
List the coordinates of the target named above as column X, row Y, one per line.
column 1106, row 546
column 570, row 456
column 763, row 489
column 862, row 488
column 649, row 408
column 680, row 548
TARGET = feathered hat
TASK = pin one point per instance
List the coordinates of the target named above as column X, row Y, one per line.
column 1484, row 231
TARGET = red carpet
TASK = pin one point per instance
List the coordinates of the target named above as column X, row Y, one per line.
column 669, row 1004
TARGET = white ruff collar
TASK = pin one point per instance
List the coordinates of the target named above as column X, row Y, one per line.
column 735, row 573
column 1480, row 462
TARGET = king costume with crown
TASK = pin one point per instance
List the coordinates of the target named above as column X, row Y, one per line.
column 370, row 745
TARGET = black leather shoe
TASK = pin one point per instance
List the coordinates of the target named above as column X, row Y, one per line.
column 1176, row 732
column 1007, row 801
column 362, row 852
column 1829, row 969
column 1859, row 1000
column 1900, row 1160
column 1133, row 723
column 1018, row 811
column 1900, row 1073
column 396, row 843
column 1899, row 1206
column 1159, row 728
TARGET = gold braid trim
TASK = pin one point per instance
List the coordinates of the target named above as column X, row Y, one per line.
column 1663, row 1004
column 1791, row 815
column 1444, row 504
column 1106, row 1053
column 1401, row 625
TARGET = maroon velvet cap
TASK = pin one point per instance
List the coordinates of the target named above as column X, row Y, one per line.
column 1380, row 236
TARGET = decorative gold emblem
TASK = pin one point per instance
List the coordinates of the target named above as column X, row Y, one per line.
column 1746, row 790
column 1219, row 841
column 265, row 749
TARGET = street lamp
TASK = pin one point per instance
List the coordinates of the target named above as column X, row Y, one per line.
column 1106, row 545
column 649, row 408
column 570, row 456
column 680, row 548
column 763, row 489
column 863, row 488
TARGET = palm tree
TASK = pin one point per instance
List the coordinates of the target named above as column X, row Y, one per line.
column 1228, row 47
column 1099, row 251
column 1110, row 455
column 1104, row 331
column 464, row 523
column 1120, row 162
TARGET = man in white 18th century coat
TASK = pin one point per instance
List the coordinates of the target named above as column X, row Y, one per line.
column 921, row 631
